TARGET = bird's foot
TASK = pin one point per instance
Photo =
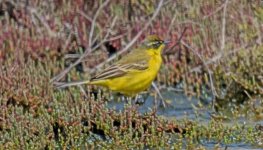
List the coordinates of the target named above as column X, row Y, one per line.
column 139, row 99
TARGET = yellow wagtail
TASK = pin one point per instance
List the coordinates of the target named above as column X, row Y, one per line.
column 133, row 73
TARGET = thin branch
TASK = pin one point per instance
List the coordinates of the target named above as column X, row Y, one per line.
column 72, row 56
column 83, row 91
column 163, row 103
column 214, row 12
column 181, row 36
column 223, row 28
column 76, row 56
column 178, row 41
column 43, row 21
column 207, row 68
column 173, row 20
column 217, row 57
column 67, row 41
column 132, row 41
column 116, row 37
column 94, row 21
column 91, row 20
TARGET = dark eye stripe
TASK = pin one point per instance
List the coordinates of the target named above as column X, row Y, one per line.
column 154, row 43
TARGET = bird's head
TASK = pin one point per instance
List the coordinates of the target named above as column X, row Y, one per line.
column 154, row 43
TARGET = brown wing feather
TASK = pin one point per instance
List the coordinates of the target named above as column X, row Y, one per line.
column 135, row 60
column 108, row 73
column 119, row 70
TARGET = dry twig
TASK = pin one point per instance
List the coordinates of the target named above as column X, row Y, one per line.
column 223, row 28
column 207, row 68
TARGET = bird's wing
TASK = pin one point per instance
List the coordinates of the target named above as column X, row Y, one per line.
column 120, row 69
column 137, row 55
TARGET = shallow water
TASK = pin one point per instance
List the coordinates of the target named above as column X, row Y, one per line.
column 183, row 107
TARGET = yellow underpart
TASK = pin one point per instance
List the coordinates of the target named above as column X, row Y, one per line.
column 135, row 81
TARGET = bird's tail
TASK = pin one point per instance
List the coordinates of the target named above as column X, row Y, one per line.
column 63, row 85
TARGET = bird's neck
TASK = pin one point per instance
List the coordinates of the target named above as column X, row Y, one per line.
column 155, row 60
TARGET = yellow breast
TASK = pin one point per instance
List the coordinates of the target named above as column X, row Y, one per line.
column 136, row 81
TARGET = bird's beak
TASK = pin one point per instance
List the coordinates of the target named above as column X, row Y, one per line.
column 166, row 42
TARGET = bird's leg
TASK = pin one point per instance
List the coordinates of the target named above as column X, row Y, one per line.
column 132, row 103
column 163, row 103
column 139, row 99
column 127, row 100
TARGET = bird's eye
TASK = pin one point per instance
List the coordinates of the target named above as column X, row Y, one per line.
column 155, row 44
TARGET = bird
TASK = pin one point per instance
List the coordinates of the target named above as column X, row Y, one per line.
column 134, row 72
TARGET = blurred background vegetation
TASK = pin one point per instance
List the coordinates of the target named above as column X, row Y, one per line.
column 218, row 58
